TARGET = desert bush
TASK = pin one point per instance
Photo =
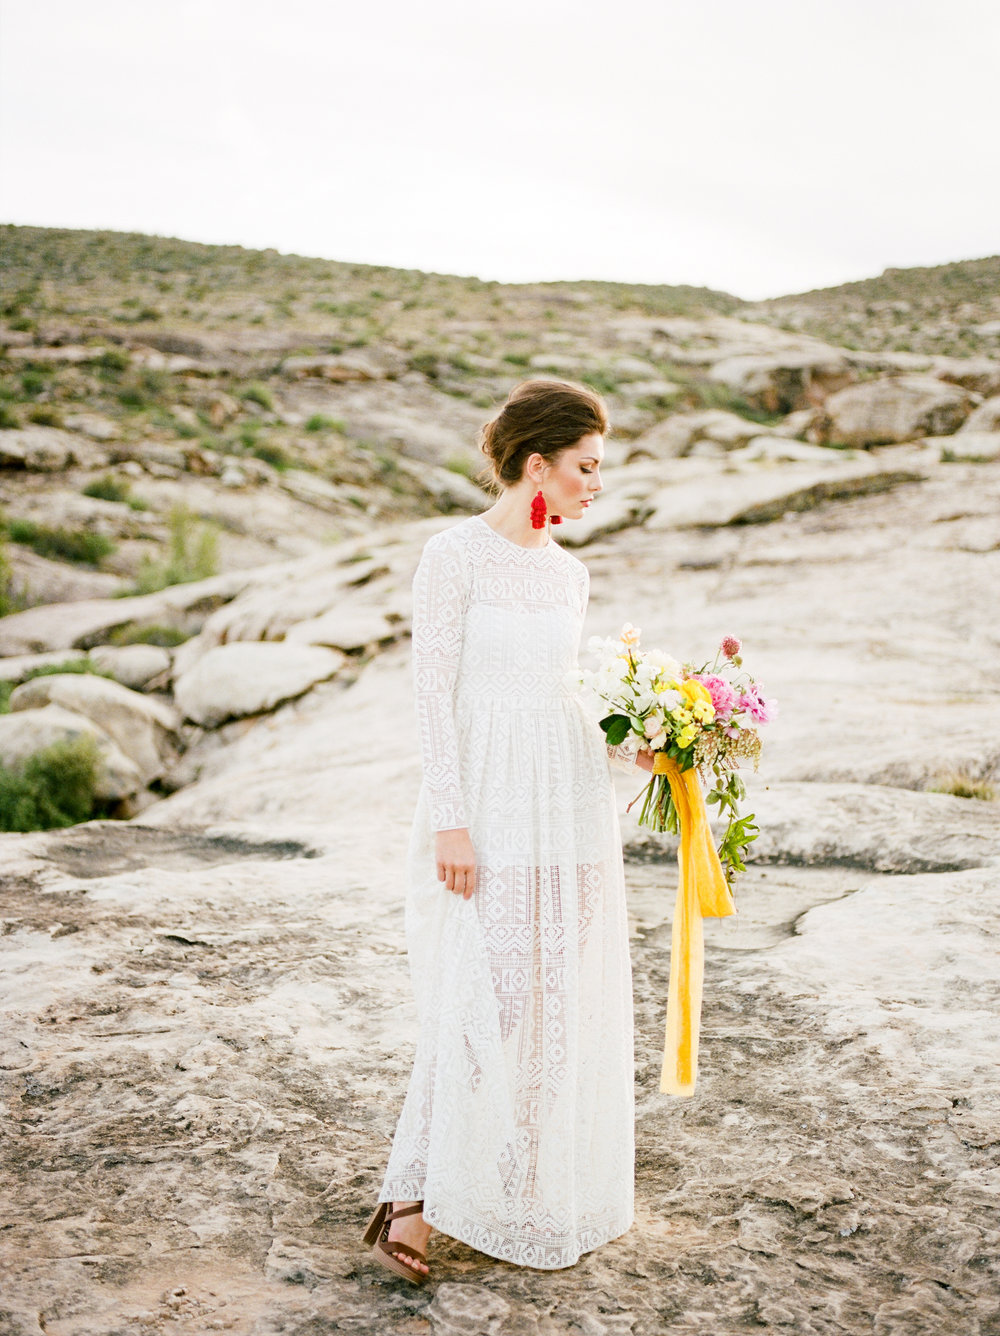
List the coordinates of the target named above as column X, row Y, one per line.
column 108, row 488
column 193, row 554
column 9, row 421
column 47, row 415
column 134, row 634
column 80, row 545
column 273, row 454
column 113, row 359
column 54, row 787
column 963, row 785
column 256, row 393
column 320, row 422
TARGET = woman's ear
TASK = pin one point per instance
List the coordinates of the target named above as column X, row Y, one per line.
column 534, row 467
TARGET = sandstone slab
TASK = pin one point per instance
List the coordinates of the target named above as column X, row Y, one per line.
column 27, row 731
column 144, row 728
column 250, row 678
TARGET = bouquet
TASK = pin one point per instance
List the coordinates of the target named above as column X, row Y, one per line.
column 701, row 717
column 697, row 721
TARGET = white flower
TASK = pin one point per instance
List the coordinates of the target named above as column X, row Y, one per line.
column 664, row 661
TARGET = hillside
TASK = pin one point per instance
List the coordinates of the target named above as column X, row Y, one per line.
column 218, row 469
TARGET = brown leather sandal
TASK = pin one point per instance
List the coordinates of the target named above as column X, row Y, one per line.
column 377, row 1234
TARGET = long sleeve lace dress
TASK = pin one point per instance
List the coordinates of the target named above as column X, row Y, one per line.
column 517, row 1130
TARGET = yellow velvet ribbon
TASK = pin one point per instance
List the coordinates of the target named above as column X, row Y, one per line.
column 702, row 892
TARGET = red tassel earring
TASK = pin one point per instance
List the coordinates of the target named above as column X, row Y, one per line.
column 538, row 512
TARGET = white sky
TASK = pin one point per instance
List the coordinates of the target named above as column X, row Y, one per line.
column 758, row 146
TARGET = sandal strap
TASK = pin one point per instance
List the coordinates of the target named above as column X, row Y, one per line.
column 393, row 1246
column 406, row 1210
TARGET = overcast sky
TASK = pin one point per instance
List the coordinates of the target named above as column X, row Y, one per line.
column 758, row 147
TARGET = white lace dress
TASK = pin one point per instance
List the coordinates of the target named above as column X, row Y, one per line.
column 517, row 1131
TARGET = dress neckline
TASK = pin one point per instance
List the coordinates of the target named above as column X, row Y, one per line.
column 520, row 546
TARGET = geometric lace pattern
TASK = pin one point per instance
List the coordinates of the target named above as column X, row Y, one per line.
column 517, row 1129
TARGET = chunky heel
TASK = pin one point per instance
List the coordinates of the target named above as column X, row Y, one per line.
column 376, row 1234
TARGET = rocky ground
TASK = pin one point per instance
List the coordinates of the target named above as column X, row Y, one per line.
column 207, row 1018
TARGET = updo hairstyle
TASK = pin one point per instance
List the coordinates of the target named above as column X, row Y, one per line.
column 543, row 417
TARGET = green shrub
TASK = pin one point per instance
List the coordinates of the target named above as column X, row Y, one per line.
column 320, row 422
column 79, row 545
column 193, row 554
column 133, row 634
column 108, row 488
column 258, row 394
column 272, row 454
column 54, row 787
column 47, row 415
column 11, row 598
column 81, row 665
column 32, row 382
column 9, row 421
column 963, row 785
column 113, row 359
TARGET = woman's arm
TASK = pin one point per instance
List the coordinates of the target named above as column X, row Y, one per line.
column 440, row 596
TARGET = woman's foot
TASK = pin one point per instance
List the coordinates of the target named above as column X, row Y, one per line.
column 412, row 1229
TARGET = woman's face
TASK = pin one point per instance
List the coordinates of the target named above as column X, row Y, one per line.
column 573, row 479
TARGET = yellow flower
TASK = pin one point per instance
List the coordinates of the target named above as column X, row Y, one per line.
column 681, row 716
column 694, row 691
column 687, row 735
column 703, row 712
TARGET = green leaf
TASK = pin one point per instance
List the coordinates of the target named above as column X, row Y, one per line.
column 616, row 728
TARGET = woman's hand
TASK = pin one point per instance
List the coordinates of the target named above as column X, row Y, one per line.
column 456, row 861
column 645, row 759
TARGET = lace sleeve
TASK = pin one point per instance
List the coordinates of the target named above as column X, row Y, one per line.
column 440, row 591
column 625, row 754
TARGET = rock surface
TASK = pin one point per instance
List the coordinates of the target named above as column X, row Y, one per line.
column 25, row 732
column 207, row 1018
column 239, row 679
column 144, row 728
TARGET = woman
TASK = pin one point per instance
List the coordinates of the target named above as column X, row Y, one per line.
column 517, row 1132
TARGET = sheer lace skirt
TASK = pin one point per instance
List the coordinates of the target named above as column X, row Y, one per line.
column 517, row 1130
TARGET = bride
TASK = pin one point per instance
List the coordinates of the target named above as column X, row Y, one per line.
column 517, row 1131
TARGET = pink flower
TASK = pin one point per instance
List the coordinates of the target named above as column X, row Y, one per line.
column 723, row 695
column 730, row 646
column 754, row 704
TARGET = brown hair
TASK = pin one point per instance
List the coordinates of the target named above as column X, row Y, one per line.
column 543, row 416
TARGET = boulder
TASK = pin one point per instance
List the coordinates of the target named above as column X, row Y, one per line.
column 47, row 450
column 25, row 732
column 348, row 629
column 895, row 408
column 978, row 374
column 785, row 381
column 250, row 678
column 975, row 446
column 676, row 435
column 16, row 667
column 92, row 621
column 343, row 366
column 751, row 493
column 985, row 417
column 872, row 826
column 780, row 449
column 131, row 665
column 142, row 727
